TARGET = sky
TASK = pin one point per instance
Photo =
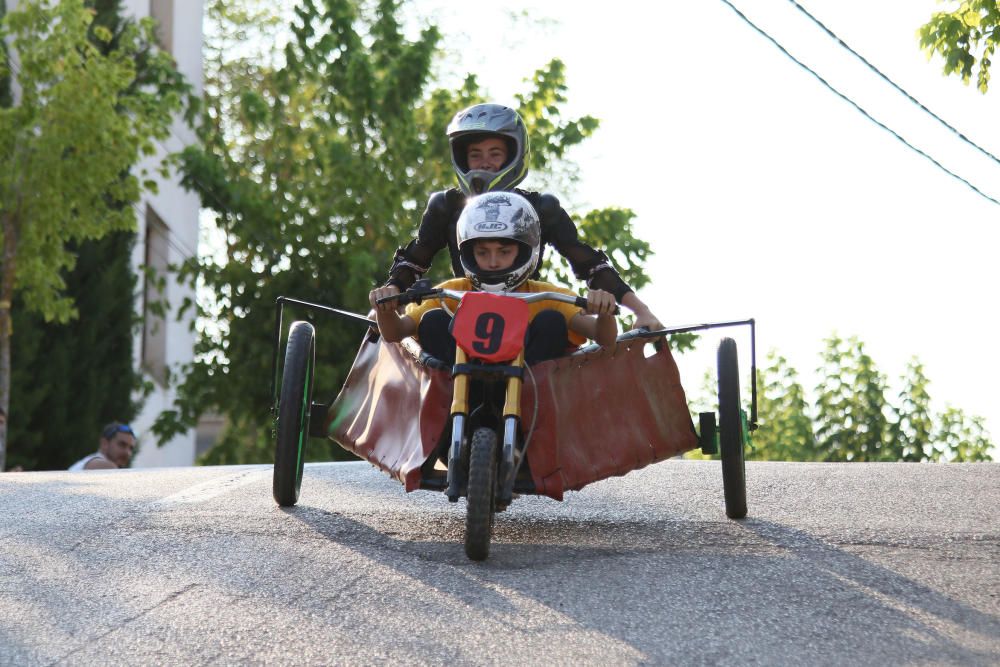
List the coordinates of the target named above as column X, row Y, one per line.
column 762, row 192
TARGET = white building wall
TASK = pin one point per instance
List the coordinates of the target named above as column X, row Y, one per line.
column 178, row 209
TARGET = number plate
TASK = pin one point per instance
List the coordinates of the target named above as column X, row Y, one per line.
column 490, row 327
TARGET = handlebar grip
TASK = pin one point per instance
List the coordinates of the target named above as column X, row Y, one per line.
column 581, row 302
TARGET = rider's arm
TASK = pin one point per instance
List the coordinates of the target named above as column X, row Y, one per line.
column 590, row 265
column 413, row 260
column 599, row 325
column 599, row 328
column 644, row 317
column 391, row 325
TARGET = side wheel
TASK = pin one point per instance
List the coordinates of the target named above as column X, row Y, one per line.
column 731, row 431
column 481, row 498
column 293, row 413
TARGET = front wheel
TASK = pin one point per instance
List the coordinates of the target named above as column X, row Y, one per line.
column 481, row 497
column 293, row 413
column 731, row 431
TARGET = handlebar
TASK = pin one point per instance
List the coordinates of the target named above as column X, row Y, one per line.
column 418, row 294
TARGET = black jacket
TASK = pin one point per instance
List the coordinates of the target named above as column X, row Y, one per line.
column 437, row 230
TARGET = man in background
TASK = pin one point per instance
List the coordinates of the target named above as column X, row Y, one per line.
column 117, row 445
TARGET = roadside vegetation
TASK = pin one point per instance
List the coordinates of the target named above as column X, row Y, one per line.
column 321, row 136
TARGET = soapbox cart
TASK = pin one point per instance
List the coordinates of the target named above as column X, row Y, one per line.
column 490, row 428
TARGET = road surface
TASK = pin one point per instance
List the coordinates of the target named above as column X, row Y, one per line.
column 836, row 564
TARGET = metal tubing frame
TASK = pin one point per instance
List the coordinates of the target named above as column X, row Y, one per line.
column 279, row 314
column 639, row 333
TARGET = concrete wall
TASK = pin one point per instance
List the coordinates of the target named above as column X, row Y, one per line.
column 178, row 209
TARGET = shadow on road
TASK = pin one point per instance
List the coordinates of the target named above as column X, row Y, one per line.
column 760, row 583
column 657, row 587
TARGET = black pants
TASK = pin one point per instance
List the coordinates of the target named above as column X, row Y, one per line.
column 547, row 336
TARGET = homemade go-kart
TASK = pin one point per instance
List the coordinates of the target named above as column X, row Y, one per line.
column 490, row 427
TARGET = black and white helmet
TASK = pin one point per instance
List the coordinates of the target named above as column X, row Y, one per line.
column 479, row 122
column 499, row 216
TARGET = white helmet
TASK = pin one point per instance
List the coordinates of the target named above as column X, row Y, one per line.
column 499, row 216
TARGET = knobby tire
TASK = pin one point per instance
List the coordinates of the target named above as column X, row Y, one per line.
column 731, row 431
column 481, row 496
column 293, row 413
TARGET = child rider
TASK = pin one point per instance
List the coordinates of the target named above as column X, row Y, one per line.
column 499, row 244
column 489, row 152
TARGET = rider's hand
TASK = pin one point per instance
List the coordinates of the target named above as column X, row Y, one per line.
column 644, row 317
column 648, row 320
column 380, row 293
column 600, row 302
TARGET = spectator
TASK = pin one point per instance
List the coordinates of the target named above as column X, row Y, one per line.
column 117, row 445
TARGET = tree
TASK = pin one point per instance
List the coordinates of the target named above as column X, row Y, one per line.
column 851, row 422
column 786, row 430
column 64, row 147
column 6, row 96
column 960, row 438
column 911, row 431
column 965, row 37
column 67, row 380
column 317, row 161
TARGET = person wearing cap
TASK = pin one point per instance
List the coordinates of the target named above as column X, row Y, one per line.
column 115, row 450
column 489, row 152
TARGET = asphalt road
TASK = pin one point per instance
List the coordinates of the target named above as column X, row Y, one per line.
column 836, row 564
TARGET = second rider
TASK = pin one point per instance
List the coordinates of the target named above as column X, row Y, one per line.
column 489, row 151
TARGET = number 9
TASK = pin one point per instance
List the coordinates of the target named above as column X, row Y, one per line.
column 489, row 329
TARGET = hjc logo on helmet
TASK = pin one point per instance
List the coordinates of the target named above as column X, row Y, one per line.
column 491, row 226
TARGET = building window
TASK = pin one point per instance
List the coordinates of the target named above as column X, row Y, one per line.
column 154, row 322
column 163, row 12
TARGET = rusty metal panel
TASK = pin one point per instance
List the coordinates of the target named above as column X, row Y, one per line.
column 391, row 410
column 604, row 414
column 597, row 415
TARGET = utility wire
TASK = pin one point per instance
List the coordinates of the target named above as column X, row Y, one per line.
column 856, row 105
column 894, row 84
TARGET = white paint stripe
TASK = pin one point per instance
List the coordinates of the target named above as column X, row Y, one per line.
column 213, row 488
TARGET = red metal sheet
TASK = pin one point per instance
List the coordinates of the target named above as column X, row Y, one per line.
column 597, row 415
column 391, row 410
column 604, row 414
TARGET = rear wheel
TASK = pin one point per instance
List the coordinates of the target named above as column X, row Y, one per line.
column 731, row 431
column 293, row 413
column 481, row 497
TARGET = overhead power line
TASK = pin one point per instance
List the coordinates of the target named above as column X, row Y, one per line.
column 854, row 104
column 892, row 83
